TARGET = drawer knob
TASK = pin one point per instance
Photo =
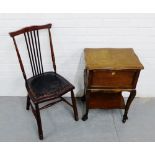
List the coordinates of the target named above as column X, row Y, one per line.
column 113, row 73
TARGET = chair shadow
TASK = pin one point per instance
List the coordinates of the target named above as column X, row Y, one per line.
column 79, row 86
column 79, row 78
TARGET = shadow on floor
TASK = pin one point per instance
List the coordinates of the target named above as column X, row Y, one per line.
column 17, row 124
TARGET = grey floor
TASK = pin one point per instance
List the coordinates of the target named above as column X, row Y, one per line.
column 17, row 124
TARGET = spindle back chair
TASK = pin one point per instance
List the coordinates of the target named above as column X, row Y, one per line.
column 42, row 86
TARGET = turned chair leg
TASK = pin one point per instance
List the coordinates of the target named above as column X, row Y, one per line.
column 85, row 116
column 28, row 103
column 74, row 106
column 40, row 131
column 130, row 99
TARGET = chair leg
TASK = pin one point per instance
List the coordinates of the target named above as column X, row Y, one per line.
column 28, row 103
column 74, row 106
column 40, row 131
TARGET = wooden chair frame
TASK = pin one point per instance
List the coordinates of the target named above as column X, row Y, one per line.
column 32, row 40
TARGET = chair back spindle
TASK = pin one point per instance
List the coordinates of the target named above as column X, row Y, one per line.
column 33, row 46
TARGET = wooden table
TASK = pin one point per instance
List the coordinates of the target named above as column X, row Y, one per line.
column 108, row 72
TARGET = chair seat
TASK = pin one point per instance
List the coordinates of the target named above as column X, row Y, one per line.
column 48, row 85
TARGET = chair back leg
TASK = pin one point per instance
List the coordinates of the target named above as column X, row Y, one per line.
column 40, row 131
column 28, row 103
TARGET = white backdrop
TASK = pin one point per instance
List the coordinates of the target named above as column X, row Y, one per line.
column 71, row 34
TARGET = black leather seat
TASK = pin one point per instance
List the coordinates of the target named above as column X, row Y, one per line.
column 48, row 84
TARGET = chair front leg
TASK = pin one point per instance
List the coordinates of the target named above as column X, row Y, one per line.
column 74, row 106
column 40, row 131
column 28, row 103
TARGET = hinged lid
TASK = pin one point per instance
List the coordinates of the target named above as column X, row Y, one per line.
column 111, row 58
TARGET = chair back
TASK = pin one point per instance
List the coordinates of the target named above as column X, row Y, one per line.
column 32, row 40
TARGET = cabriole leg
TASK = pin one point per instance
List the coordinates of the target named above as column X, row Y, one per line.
column 83, row 98
column 85, row 116
column 129, row 101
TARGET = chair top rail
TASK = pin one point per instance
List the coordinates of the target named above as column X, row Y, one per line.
column 30, row 28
